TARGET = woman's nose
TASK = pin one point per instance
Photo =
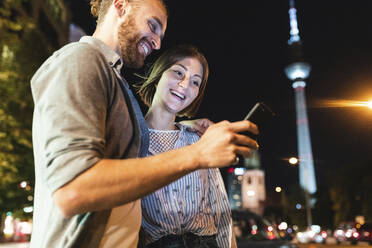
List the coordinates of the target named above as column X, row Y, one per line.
column 183, row 83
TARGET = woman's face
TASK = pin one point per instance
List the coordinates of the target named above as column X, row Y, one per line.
column 179, row 85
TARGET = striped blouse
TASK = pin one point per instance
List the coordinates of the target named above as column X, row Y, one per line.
column 195, row 203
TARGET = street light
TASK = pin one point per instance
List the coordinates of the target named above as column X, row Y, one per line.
column 369, row 104
column 293, row 160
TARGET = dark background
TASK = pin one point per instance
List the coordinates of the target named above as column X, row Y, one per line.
column 245, row 43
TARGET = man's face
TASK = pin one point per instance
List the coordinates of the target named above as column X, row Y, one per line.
column 141, row 31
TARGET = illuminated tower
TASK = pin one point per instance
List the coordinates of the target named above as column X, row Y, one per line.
column 297, row 71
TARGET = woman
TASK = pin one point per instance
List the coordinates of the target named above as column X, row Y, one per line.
column 194, row 210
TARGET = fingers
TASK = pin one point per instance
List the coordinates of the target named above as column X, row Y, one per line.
column 242, row 126
column 243, row 151
column 244, row 140
column 202, row 125
column 222, row 143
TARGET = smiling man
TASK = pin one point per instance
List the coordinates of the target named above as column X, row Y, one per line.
column 90, row 136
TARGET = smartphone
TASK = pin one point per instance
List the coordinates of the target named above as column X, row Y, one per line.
column 261, row 115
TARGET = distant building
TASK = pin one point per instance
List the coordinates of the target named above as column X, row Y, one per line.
column 253, row 191
column 246, row 185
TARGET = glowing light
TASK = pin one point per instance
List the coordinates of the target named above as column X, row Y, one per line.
column 25, row 227
column 294, row 32
column 297, row 70
column 348, row 233
column 298, row 206
column 293, row 160
column 369, row 104
column 239, row 171
column 28, row 209
column 297, row 84
column 278, row 189
column 341, row 104
column 8, row 225
column 23, row 184
column 251, row 193
column 283, row 226
column 270, row 235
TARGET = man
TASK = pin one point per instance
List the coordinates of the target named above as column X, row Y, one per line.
column 88, row 133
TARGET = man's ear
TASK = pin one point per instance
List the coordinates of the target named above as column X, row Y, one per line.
column 120, row 6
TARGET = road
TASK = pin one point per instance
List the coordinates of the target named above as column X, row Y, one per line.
column 360, row 245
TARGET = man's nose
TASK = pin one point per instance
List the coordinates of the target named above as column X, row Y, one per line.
column 156, row 42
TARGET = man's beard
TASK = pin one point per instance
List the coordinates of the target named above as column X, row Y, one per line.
column 128, row 42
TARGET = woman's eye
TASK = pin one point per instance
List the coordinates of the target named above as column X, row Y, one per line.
column 178, row 73
column 196, row 83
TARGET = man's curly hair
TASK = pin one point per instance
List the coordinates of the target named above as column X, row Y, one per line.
column 99, row 8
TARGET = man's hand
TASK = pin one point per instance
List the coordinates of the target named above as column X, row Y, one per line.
column 199, row 125
column 222, row 142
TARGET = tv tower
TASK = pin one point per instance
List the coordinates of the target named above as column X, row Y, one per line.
column 297, row 71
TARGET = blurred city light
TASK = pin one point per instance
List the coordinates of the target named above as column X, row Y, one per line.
column 28, row 209
column 298, row 70
column 341, row 104
column 298, row 206
column 293, row 160
column 239, row 171
column 8, row 225
column 369, row 104
column 251, row 193
column 278, row 189
column 283, row 225
column 23, row 184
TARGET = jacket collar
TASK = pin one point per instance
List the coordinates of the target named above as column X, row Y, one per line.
column 110, row 55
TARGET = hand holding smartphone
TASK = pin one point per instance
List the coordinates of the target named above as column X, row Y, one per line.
column 261, row 115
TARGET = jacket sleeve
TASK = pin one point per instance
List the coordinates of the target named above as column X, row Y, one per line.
column 70, row 92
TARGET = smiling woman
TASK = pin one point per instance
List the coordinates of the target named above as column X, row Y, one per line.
column 194, row 208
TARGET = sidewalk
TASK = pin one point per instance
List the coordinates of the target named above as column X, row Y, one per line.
column 14, row 245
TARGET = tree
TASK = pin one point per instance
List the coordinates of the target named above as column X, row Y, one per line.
column 350, row 192
column 30, row 31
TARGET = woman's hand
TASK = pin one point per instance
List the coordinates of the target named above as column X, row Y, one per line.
column 199, row 125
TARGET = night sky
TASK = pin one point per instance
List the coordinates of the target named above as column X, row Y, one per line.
column 246, row 46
